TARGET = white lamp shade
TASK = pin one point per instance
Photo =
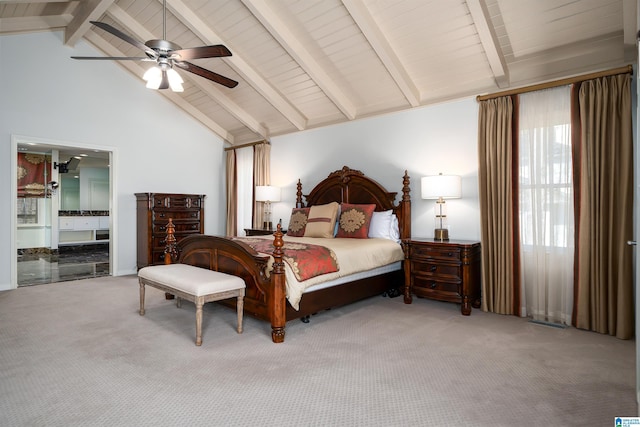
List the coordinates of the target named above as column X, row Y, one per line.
column 267, row 193
column 445, row 186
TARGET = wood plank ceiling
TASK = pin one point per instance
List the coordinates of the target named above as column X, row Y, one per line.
column 308, row 63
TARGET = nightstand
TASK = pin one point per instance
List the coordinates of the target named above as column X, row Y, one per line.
column 445, row 271
column 260, row 232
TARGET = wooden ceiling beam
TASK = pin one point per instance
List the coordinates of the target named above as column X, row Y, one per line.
column 248, row 73
column 489, row 40
column 292, row 44
column 379, row 42
column 25, row 24
column 90, row 10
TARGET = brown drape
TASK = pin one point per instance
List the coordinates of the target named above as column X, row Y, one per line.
column 499, row 284
column 232, row 191
column 605, row 270
column 261, row 176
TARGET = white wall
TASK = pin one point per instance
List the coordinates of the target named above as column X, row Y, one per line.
column 424, row 141
column 158, row 148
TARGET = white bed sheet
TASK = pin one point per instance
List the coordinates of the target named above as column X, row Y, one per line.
column 355, row 256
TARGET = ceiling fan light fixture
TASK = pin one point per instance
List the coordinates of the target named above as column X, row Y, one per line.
column 175, row 81
column 153, row 77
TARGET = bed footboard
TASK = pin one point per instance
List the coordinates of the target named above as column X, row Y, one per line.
column 265, row 296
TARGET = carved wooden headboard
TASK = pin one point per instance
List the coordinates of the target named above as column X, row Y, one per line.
column 352, row 186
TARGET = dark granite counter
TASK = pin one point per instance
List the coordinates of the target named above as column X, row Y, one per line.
column 83, row 213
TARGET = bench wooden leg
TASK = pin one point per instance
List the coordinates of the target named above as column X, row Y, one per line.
column 199, row 304
column 240, row 307
column 141, row 298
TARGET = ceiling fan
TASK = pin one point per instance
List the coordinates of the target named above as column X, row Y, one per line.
column 167, row 54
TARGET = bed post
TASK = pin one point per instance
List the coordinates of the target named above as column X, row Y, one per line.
column 170, row 252
column 277, row 296
column 299, row 195
column 406, row 207
column 406, row 235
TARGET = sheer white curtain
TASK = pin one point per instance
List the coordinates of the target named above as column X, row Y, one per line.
column 244, row 168
column 546, row 205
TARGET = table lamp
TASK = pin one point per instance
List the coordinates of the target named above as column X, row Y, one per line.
column 441, row 187
column 267, row 194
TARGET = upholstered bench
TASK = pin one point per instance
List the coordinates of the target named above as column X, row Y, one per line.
column 195, row 284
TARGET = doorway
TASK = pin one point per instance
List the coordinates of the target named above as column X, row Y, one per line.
column 64, row 230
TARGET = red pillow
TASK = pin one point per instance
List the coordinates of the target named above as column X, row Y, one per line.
column 298, row 222
column 354, row 220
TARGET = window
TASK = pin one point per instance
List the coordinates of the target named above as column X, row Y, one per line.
column 27, row 210
column 546, row 204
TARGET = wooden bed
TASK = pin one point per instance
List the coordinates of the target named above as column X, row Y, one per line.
column 265, row 296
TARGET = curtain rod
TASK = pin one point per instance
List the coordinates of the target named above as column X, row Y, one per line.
column 249, row 144
column 556, row 83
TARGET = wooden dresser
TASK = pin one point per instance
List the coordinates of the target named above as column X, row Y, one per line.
column 445, row 271
column 153, row 213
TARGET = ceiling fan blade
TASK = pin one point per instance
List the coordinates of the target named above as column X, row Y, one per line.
column 164, row 83
column 115, row 58
column 214, row 51
column 202, row 72
column 108, row 28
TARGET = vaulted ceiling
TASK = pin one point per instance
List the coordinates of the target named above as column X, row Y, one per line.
column 303, row 64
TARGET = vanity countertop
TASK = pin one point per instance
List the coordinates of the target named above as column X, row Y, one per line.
column 83, row 213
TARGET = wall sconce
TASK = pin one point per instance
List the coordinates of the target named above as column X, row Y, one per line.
column 441, row 187
column 267, row 194
column 52, row 186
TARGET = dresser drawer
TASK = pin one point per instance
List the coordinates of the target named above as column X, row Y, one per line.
column 176, row 202
column 160, row 228
column 434, row 252
column 436, row 269
column 162, row 215
column 436, row 289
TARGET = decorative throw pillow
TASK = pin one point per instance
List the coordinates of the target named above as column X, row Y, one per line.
column 298, row 222
column 354, row 220
column 321, row 221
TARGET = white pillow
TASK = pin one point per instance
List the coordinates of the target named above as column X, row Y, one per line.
column 381, row 225
column 395, row 229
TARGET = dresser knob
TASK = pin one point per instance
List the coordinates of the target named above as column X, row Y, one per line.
column 433, row 285
column 162, row 215
column 450, row 254
column 433, row 268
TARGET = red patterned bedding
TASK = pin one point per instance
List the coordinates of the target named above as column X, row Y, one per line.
column 306, row 260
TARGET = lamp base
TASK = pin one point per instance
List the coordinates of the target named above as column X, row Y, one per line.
column 441, row 234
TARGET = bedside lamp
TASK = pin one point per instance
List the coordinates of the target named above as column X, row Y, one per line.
column 267, row 194
column 441, row 187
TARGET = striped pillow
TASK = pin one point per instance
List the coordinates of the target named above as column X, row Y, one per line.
column 321, row 220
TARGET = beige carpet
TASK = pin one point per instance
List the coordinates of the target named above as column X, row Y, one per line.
column 78, row 354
